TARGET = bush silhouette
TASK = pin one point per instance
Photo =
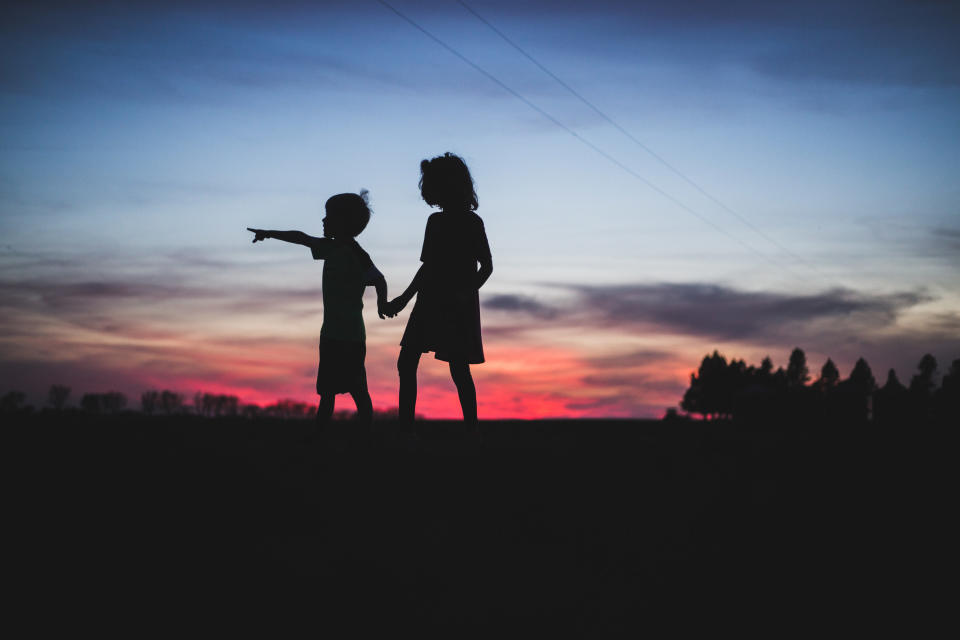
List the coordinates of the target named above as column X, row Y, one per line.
column 57, row 396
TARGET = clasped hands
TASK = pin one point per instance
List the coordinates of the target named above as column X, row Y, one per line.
column 390, row 308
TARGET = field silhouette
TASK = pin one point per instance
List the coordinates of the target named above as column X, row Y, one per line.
column 589, row 528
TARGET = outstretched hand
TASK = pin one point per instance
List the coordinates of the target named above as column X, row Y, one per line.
column 258, row 234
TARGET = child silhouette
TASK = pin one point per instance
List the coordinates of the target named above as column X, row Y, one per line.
column 446, row 316
column 347, row 271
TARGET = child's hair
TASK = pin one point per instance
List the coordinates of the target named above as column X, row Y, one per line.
column 351, row 210
column 445, row 182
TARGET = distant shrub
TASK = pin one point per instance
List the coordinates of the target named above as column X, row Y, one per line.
column 289, row 409
column 100, row 403
column 166, row 402
column 149, row 401
column 57, row 396
column 214, row 405
column 13, row 402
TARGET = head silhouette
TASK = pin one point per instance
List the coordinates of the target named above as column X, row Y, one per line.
column 347, row 214
column 445, row 182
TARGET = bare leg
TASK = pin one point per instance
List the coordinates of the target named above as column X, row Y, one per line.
column 325, row 410
column 460, row 372
column 407, row 365
column 361, row 397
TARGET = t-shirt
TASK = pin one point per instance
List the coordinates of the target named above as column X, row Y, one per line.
column 345, row 270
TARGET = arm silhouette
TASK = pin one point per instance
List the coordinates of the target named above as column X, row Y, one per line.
column 296, row 237
column 486, row 268
column 377, row 281
column 373, row 276
column 397, row 304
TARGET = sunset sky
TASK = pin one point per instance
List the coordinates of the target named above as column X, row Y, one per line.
column 138, row 140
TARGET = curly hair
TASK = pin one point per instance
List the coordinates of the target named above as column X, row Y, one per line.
column 445, row 182
column 352, row 211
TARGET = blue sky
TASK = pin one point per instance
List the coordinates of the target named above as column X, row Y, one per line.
column 140, row 139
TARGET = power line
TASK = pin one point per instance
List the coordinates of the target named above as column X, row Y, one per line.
column 626, row 133
column 576, row 135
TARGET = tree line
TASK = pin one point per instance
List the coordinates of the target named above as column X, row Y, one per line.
column 734, row 390
column 720, row 389
column 161, row 402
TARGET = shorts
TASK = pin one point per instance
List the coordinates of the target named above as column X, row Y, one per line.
column 341, row 368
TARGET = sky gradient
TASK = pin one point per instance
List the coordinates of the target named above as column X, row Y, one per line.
column 138, row 140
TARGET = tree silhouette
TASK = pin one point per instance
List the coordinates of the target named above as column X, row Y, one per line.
column 149, row 401
column 766, row 367
column 227, row 405
column 91, row 403
column 109, row 402
column 951, row 379
column 289, row 409
column 829, row 375
column 166, row 402
column 948, row 395
column 12, row 402
column 722, row 389
column 852, row 398
column 204, row 404
column 209, row 403
column 709, row 389
column 797, row 372
column 57, row 396
column 890, row 401
column 922, row 384
column 861, row 378
column 893, row 382
column 114, row 401
column 171, row 402
column 779, row 379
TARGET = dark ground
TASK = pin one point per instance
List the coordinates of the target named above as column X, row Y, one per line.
column 587, row 529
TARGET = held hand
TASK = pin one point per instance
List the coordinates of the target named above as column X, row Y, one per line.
column 389, row 309
column 258, row 234
column 396, row 305
column 383, row 310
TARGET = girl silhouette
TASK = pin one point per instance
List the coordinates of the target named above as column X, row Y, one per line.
column 446, row 316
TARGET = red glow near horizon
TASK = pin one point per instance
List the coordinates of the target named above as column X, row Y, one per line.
column 539, row 378
column 515, row 383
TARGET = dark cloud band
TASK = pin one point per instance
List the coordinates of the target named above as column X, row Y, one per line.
column 715, row 311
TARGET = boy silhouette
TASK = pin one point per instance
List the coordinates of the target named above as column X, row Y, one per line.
column 347, row 271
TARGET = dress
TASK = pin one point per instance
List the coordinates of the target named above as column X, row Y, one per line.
column 446, row 316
